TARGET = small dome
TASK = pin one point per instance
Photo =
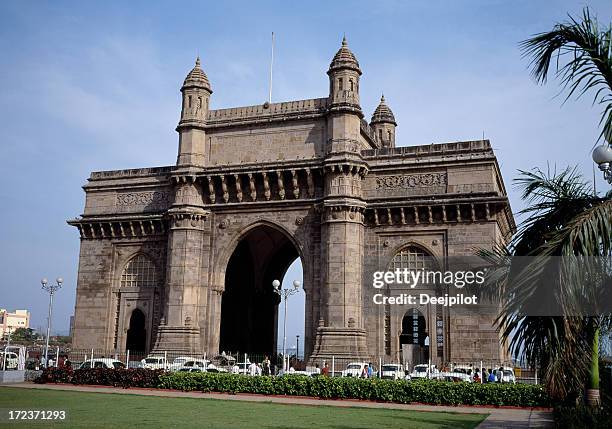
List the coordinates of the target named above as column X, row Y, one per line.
column 383, row 113
column 197, row 78
column 344, row 59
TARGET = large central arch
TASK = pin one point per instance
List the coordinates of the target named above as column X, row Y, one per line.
column 249, row 305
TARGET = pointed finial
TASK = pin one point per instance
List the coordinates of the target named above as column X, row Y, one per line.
column 382, row 98
column 344, row 43
column 198, row 61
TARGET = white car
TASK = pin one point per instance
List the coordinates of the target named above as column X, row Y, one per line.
column 8, row 360
column 421, row 371
column 354, row 369
column 102, row 363
column 154, row 362
column 184, row 361
column 453, row 376
column 199, row 364
column 393, row 371
column 507, row 374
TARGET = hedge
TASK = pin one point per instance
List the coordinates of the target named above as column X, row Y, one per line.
column 399, row 391
column 119, row 377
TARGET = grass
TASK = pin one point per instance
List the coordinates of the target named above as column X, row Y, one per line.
column 101, row 410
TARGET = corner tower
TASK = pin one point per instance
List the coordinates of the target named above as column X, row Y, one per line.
column 383, row 123
column 192, row 136
column 344, row 75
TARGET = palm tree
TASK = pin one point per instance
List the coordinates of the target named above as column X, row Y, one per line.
column 581, row 53
column 563, row 219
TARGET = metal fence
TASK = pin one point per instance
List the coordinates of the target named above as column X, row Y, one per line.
column 274, row 364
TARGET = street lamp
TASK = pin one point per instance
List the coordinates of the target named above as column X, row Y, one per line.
column 297, row 347
column 51, row 289
column 285, row 294
column 602, row 156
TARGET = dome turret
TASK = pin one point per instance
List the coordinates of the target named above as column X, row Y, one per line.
column 383, row 123
column 344, row 59
column 197, row 78
column 383, row 113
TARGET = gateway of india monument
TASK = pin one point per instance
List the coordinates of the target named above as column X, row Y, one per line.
column 182, row 258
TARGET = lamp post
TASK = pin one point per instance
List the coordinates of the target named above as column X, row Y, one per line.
column 285, row 294
column 297, row 347
column 51, row 289
column 602, row 156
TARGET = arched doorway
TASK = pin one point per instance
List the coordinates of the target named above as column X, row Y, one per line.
column 136, row 334
column 414, row 341
column 249, row 306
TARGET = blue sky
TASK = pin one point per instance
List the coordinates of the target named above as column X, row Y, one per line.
column 87, row 87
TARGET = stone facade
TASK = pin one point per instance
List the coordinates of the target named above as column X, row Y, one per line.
column 254, row 188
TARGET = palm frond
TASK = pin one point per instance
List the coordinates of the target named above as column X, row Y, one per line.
column 581, row 52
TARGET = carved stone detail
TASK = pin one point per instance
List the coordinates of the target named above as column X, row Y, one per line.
column 152, row 200
column 408, row 181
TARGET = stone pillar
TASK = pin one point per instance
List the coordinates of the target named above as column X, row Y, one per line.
column 185, row 282
column 341, row 332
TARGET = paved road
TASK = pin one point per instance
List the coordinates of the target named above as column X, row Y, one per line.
column 498, row 417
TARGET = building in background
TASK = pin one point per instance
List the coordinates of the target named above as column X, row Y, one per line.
column 11, row 321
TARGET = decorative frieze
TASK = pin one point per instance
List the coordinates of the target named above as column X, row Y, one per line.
column 408, row 181
column 149, row 200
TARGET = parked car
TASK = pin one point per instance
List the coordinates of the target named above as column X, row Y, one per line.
column 422, row 371
column 393, row 371
column 102, row 363
column 241, row 368
column 8, row 360
column 507, row 374
column 354, row 369
column 191, row 364
column 465, row 369
column 190, row 369
column 453, row 376
column 154, row 362
column 184, row 361
column 213, row 368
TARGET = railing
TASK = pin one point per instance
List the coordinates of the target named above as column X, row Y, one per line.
column 271, row 364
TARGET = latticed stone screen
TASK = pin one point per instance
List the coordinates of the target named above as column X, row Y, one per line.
column 139, row 272
column 411, row 258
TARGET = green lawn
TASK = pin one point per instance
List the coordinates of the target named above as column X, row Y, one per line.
column 97, row 410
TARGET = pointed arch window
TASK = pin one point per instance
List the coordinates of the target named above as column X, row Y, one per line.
column 140, row 271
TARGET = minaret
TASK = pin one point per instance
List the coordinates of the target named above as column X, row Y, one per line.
column 344, row 75
column 184, row 304
column 191, row 128
column 344, row 119
column 341, row 331
column 383, row 123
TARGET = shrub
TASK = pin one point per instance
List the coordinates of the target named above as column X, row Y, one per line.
column 399, row 391
column 423, row 391
column 102, row 376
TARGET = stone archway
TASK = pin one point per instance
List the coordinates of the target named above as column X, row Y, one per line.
column 249, row 305
column 136, row 340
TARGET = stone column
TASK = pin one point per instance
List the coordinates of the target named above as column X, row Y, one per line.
column 341, row 332
column 185, row 282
